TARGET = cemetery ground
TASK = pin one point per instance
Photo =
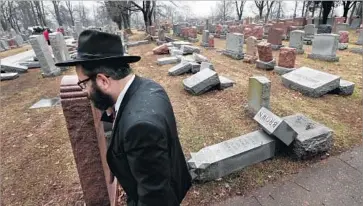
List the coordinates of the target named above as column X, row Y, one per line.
column 37, row 165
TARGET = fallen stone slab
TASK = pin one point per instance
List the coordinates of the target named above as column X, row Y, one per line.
column 137, row 43
column 200, row 58
column 265, row 65
column 274, row 125
column 345, row 88
column 187, row 49
column 180, row 68
column 201, row 82
column 178, row 44
column 206, row 65
column 187, row 58
column 312, row 137
column 310, row 82
column 175, row 51
column 30, row 64
column 225, row 82
column 193, row 40
column 162, row 49
column 46, row 103
column 167, row 60
column 13, row 68
column 8, row 76
column 282, row 70
column 356, row 50
column 224, row 158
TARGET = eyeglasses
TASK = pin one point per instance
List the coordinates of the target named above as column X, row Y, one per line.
column 82, row 83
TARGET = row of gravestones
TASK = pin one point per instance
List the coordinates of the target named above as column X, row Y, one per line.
column 324, row 47
column 6, row 44
column 297, row 134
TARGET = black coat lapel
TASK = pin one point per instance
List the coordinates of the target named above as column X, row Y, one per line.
column 132, row 89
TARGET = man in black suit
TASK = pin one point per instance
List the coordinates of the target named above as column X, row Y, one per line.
column 144, row 152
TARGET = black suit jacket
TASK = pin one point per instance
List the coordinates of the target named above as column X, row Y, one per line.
column 144, row 152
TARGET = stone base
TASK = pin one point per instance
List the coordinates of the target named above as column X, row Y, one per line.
column 345, row 88
column 307, row 41
column 282, row 70
column 359, row 43
column 233, row 55
column 276, row 47
column 342, row 46
column 323, row 57
column 222, row 36
column 266, row 65
column 356, row 50
column 250, row 59
column 54, row 73
column 193, row 40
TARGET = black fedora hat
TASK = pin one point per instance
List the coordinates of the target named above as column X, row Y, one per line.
column 96, row 46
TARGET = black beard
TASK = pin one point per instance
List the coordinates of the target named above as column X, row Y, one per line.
column 99, row 99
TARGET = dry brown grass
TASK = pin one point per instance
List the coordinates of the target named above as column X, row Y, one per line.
column 37, row 163
column 10, row 52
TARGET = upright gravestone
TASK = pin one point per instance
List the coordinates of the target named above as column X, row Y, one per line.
column 324, row 29
column 4, row 44
column 310, row 82
column 234, row 46
column 341, row 27
column 360, row 38
column 78, row 28
column 205, row 37
column 266, row 60
column 88, row 142
column 258, row 94
column 251, row 51
column 161, row 35
column 59, row 47
column 296, row 41
column 286, row 61
column 224, row 158
column 42, row 52
column 309, row 30
column 325, row 47
column 275, row 38
column 343, row 40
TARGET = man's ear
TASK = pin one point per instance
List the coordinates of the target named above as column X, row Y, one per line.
column 103, row 81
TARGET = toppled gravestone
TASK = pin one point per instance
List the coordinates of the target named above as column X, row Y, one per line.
column 167, row 60
column 162, row 49
column 201, row 82
column 224, row 158
column 178, row 44
column 310, row 82
column 187, row 49
column 8, row 76
column 312, row 138
column 205, row 65
column 225, row 82
column 200, row 58
column 180, row 68
column 274, row 125
column 195, row 67
column 345, row 88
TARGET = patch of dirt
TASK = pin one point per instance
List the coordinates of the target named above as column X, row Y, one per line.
column 14, row 51
column 37, row 165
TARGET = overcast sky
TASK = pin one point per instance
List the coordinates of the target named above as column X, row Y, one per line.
column 205, row 8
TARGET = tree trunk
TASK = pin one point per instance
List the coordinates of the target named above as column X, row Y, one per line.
column 57, row 14
column 260, row 12
column 327, row 5
column 303, row 9
column 295, row 9
column 351, row 13
column 34, row 13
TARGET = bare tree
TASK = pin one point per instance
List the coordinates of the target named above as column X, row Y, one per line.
column 327, row 6
column 347, row 5
column 303, row 9
column 260, row 5
column 70, row 10
column 224, row 9
column 40, row 12
column 146, row 9
column 56, row 11
column 119, row 12
column 239, row 8
column 269, row 5
column 296, row 2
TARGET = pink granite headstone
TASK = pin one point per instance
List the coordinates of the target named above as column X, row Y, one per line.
column 287, row 57
column 264, row 51
column 152, row 30
column 343, row 37
column 275, row 36
column 88, row 141
column 211, row 41
column 193, row 32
